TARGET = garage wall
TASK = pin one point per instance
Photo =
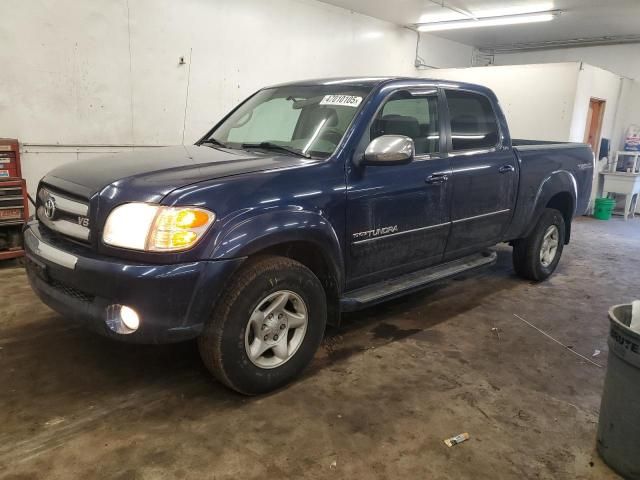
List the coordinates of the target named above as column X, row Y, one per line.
column 597, row 83
column 618, row 59
column 108, row 72
column 80, row 79
column 439, row 52
column 537, row 99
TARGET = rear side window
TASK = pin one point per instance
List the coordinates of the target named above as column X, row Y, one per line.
column 473, row 123
column 414, row 117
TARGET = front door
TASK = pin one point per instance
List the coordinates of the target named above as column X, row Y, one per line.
column 398, row 216
column 484, row 175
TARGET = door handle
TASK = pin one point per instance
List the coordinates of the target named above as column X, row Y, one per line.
column 507, row 168
column 436, row 178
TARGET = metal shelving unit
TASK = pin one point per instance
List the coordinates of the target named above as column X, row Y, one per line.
column 14, row 206
column 14, row 211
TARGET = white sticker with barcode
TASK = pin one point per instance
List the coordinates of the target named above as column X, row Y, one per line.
column 341, row 100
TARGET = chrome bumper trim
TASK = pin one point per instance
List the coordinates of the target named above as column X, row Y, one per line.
column 48, row 252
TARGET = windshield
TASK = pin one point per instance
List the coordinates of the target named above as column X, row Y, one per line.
column 305, row 120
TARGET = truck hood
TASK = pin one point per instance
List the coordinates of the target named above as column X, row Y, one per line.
column 155, row 172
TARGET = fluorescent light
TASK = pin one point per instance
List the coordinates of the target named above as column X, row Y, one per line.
column 490, row 21
column 446, row 16
column 513, row 10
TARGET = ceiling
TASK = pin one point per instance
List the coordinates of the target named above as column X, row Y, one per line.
column 580, row 18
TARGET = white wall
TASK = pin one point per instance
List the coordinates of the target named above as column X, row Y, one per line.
column 439, row 52
column 619, row 59
column 537, row 99
column 597, row 83
column 594, row 82
column 106, row 71
column 83, row 78
column 631, row 103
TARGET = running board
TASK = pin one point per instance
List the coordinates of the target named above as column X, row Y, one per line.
column 410, row 282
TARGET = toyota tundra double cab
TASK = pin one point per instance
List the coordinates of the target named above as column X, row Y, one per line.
column 309, row 199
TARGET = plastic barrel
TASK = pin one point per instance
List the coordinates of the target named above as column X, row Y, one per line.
column 619, row 425
column 604, row 208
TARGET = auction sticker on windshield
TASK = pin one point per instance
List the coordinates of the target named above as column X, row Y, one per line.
column 341, row 100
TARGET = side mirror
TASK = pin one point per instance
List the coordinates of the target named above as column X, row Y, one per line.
column 389, row 150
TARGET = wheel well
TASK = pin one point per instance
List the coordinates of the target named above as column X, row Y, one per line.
column 312, row 257
column 563, row 202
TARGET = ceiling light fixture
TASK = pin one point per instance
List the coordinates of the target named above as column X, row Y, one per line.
column 489, row 21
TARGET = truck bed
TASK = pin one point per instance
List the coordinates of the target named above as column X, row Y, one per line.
column 573, row 162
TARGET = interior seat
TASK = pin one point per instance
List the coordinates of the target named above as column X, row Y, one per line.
column 401, row 125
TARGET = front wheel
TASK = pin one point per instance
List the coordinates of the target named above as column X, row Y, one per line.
column 266, row 327
column 536, row 256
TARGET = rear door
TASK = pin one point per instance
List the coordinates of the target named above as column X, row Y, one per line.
column 398, row 216
column 484, row 174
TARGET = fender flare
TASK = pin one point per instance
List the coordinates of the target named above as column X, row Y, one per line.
column 243, row 237
column 559, row 181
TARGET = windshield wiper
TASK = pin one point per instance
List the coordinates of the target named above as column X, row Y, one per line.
column 276, row 146
column 213, row 141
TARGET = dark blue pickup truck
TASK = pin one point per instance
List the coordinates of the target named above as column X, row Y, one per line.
column 309, row 199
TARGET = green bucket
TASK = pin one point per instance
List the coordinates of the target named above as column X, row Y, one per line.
column 604, row 208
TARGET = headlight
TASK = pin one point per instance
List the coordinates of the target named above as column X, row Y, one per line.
column 155, row 228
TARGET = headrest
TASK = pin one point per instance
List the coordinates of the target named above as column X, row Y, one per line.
column 399, row 125
column 465, row 124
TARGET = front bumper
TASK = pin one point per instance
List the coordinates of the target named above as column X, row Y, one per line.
column 173, row 301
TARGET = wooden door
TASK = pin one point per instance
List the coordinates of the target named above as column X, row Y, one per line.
column 594, row 123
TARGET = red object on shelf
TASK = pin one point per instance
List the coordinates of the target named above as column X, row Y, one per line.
column 14, row 202
column 10, row 158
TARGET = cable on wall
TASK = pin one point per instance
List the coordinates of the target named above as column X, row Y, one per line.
column 455, row 9
column 419, row 61
column 186, row 99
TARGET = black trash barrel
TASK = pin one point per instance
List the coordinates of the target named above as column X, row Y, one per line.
column 619, row 425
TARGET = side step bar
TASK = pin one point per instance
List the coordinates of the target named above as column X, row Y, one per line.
column 410, row 282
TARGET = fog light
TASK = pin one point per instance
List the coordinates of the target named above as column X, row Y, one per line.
column 122, row 319
column 129, row 317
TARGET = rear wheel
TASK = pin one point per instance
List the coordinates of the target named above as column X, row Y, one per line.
column 536, row 256
column 266, row 327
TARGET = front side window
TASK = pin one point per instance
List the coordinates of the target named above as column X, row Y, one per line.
column 411, row 116
column 473, row 123
column 309, row 120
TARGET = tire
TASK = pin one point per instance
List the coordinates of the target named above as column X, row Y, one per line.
column 528, row 259
column 243, row 310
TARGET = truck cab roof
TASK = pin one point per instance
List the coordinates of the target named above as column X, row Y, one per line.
column 372, row 82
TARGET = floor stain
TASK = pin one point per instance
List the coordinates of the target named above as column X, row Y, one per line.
column 392, row 332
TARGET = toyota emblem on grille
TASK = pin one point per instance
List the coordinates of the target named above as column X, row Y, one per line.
column 50, row 208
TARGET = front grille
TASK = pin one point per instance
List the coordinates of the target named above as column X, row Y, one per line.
column 72, row 292
column 62, row 214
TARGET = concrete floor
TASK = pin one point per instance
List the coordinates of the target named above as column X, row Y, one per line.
column 381, row 396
